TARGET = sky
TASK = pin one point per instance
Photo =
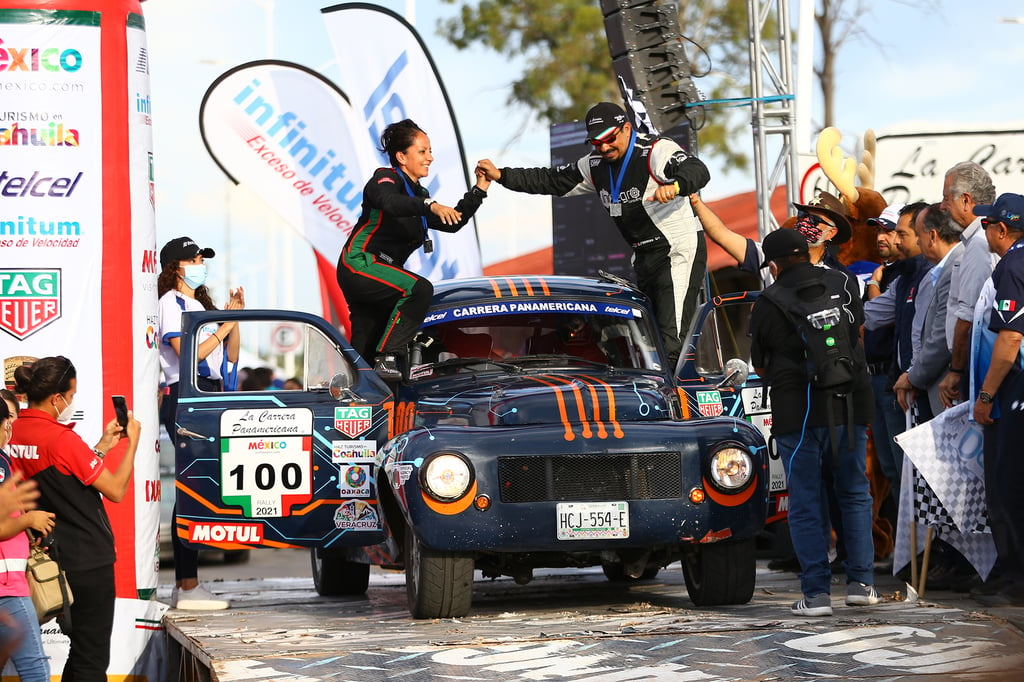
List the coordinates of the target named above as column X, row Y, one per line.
column 927, row 64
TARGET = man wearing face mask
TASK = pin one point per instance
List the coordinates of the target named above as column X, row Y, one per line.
column 182, row 288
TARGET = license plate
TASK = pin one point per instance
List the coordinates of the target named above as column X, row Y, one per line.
column 592, row 520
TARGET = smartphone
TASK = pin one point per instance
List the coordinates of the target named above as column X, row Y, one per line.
column 121, row 411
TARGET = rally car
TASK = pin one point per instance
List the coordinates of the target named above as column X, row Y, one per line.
column 537, row 425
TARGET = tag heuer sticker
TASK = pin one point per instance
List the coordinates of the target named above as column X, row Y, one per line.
column 709, row 403
column 352, row 421
column 345, row 450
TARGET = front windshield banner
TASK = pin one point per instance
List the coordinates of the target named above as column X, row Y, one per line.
column 467, row 312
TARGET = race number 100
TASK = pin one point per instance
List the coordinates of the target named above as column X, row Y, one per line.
column 266, row 482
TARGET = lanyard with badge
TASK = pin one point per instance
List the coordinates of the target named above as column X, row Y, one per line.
column 428, row 244
column 615, row 210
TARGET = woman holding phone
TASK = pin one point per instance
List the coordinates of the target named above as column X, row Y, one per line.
column 73, row 481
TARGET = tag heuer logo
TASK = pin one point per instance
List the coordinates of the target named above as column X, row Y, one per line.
column 709, row 403
column 29, row 300
column 352, row 421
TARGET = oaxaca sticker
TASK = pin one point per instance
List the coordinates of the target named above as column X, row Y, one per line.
column 356, row 515
column 344, row 450
column 352, row 421
column 709, row 403
column 29, row 300
column 354, row 479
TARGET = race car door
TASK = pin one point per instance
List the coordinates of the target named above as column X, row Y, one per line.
column 270, row 462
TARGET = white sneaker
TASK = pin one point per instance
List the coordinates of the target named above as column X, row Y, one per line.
column 859, row 594
column 197, row 599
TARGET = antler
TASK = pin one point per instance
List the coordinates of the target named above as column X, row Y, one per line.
column 840, row 170
column 866, row 169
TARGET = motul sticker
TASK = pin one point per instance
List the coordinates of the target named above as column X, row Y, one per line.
column 29, row 300
column 709, row 403
column 352, row 421
column 250, row 533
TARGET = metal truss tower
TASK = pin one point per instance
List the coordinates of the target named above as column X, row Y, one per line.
column 773, row 111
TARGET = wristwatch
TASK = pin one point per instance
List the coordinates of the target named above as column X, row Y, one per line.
column 985, row 397
column 427, row 202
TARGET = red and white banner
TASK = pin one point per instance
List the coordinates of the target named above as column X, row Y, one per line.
column 78, row 251
column 389, row 75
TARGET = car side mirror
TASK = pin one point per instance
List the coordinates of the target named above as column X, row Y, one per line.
column 341, row 387
column 736, row 373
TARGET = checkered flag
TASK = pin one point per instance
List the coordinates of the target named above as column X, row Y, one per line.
column 928, row 508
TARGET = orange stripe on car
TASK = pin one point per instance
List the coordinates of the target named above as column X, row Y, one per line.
column 496, row 288
column 616, row 427
column 562, row 412
column 512, row 286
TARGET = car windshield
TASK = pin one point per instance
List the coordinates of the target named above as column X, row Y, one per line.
column 615, row 337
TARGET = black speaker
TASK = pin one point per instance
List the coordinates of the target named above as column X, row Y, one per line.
column 654, row 67
column 637, row 28
column 610, row 6
column 668, row 108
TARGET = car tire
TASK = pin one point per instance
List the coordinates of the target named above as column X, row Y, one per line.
column 437, row 584
column 616, row 574
column 334, row 575
column 720, row 573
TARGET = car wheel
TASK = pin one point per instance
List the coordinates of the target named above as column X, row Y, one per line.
column 616, row 574
column 237, row 556
column 334, row 576
column 437, row 584
column 720, row 573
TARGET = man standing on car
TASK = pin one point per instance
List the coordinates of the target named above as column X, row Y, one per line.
column 820, row 433
column 644, row 182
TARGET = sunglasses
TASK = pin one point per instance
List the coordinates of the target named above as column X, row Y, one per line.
column 607, row 139
column 986, row 222
column 813, row 219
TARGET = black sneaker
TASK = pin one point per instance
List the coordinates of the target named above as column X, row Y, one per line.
column 386, row 368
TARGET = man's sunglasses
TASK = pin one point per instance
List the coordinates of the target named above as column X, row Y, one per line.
column 606, row 139
column 985, row 222
column 813, row 219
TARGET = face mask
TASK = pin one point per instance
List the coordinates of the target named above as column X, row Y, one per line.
column 64, row 416
column 806, row 226
column 195, row 276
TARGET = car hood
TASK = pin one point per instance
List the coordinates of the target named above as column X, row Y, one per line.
column 545, row 398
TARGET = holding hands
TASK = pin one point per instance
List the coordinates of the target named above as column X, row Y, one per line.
column 487, row 169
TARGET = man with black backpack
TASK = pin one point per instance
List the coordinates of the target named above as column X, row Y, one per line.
column 806, row 345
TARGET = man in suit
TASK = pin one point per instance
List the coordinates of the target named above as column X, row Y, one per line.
column 939, row 238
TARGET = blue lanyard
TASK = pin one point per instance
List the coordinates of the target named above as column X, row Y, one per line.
column 408, row 188
column 616, row 183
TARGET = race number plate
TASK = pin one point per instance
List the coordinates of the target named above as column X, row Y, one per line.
column 592, row 520
column 266, row 460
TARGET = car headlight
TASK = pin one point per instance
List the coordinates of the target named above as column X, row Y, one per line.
column 446, row 477
column 731, row 469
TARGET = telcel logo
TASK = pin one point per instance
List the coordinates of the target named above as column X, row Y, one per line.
column 251, row 533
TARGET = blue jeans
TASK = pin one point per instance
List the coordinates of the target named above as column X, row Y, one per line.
column 29, row 658
column 890, row 421
column 808, row 457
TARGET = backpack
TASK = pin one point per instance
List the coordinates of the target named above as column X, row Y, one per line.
column 818, row 312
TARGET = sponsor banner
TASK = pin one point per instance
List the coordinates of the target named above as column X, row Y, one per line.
column 529, row 306
column 143, row 304
column 292, row 137
column 387, row 81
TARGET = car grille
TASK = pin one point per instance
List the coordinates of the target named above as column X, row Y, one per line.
column 590, row 478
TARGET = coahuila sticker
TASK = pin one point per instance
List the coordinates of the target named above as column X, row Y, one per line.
column 343, row 450
column 356, row 515
column 354, row 479
column 264, row 471
column 352, row 421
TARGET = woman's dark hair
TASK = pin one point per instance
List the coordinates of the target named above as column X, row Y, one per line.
column 168, row 280
column 5, row 395
column 398, row 137
column 44, row 377
column 5, row 411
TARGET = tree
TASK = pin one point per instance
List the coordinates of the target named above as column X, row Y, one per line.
column 569, row 67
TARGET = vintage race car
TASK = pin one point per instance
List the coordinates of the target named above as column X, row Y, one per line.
column 537, row 425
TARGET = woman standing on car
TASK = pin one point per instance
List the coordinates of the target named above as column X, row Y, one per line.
column 72, row 484
column 386, row 302
column 181, row 287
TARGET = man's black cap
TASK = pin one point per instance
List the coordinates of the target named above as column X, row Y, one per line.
column 182, row 248
column 782, row 242
column 603, row 118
